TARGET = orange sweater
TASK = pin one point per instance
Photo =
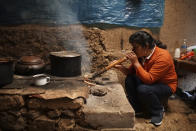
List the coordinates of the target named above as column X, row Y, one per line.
column 158, row 69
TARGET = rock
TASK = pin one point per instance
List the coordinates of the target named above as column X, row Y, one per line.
column 66, row 124
column 15, row 113
column 20, row 124
column 79, row 114
column 79, row 101
column 10, row 122
column 32, row 114
column 7, row 121
column 42, row 123
column 10, row 102
column 68, row 113
column 79, row 128
column 23, row 111
column 54, row 114
column 118, row 129
column 192, row 118
column 98, row 91
column 34, row 104
column 53, row 104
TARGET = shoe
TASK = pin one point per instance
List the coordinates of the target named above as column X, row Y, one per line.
column 157, row 120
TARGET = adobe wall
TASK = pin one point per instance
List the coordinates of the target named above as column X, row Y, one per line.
column 179, row 23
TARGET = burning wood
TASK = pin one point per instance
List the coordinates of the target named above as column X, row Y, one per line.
column 89, row 83
column 87, row 80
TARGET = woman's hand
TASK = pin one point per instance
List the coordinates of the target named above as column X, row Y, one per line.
column 133, row 58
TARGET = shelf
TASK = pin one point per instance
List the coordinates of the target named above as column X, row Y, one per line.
column 185, row 65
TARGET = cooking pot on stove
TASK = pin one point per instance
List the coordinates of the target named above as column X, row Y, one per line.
column 29, row 65
column 6, row 71
column 65, row 63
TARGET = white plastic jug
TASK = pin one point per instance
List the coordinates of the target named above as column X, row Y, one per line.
column 177, row 53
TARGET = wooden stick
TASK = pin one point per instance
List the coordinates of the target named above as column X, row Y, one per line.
column 116, row 63
column 89, row 83
column 109, row 67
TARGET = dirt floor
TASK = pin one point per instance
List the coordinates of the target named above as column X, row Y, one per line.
column 180, row 116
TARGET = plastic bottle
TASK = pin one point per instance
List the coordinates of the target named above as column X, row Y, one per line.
column 177, row 53
column 184, row 47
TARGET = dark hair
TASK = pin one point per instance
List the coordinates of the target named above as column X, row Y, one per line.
column 145, row 39
column 160, row 44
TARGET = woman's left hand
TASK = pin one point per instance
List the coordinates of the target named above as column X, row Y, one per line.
column 133, row 58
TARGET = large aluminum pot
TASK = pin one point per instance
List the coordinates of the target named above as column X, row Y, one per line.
column 6, row 71
column 65, row 63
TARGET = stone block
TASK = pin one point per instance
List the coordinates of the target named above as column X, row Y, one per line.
column 32, row 114
column 53, row 104
column 10, row 102
column 11, row 122
column 34, row 104
column 42, row 123
column 118, row 129
column 54, row 114
column 66, row 124
column 68, row 113
column 79, row 128
column 110, row 111
column 192, row 117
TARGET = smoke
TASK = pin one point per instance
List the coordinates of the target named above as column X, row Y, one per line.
column 66, row 12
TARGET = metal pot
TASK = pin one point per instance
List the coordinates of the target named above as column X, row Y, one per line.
column 65, row 63
column 6, row 71
column 30, row 65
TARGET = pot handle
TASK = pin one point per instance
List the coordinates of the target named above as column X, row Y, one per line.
column 48, row 79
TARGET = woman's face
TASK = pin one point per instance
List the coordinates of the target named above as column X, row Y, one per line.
column 139, row 50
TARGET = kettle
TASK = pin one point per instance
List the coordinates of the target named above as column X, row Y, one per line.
column 29, row 65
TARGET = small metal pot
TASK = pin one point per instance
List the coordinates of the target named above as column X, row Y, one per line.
column 65, row 63
column 6, row 71
column 29, row 65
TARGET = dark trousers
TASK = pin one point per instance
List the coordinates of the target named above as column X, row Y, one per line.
column 145, row 97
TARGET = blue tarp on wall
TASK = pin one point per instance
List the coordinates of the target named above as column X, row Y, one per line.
column 138, row 13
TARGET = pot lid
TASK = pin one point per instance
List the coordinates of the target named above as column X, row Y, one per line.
column 65, row 54
column 30, row 60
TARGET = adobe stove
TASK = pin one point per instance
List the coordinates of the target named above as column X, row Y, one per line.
column 65, row 101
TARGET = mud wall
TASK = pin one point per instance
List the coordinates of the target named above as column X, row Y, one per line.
column 179, row 23
column 19, row 113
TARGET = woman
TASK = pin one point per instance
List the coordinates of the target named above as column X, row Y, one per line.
column 151, row 78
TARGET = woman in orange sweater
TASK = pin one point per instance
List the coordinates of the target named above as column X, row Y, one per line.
column 151, row 78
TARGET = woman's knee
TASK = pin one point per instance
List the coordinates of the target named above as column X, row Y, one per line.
column 143, row 89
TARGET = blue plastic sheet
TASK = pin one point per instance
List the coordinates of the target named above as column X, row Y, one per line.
column 137, row 13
